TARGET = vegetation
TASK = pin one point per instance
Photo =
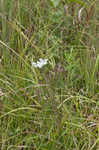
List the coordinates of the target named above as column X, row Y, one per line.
column 54, row 106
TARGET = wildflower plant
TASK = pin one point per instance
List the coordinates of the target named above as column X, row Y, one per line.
column 55, row 107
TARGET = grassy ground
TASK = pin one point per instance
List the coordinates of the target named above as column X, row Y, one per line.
column 55, row 107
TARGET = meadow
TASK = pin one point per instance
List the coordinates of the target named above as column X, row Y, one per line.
column 49, row 75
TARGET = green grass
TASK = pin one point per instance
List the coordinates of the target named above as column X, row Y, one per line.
column 54, row 107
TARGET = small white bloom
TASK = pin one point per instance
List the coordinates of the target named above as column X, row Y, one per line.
column 34, row 64
column 40, row 63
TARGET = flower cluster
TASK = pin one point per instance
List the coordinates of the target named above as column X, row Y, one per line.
column 40, row 63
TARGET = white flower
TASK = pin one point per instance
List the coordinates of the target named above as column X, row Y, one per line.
column 40, row 63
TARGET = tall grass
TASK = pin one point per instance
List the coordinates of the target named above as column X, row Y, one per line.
column 56, row 106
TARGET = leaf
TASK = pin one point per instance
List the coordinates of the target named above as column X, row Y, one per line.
column 55, row 3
